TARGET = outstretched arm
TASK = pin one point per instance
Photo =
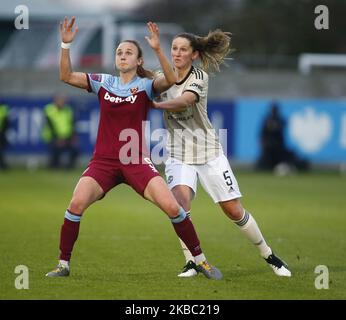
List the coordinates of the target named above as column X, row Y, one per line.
column 178, row 104
column 161, row 83
column 76, row 79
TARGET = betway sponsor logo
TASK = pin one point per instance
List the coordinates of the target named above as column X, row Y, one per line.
column 130, row 99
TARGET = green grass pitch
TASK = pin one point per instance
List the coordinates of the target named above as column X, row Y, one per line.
column 127, row 248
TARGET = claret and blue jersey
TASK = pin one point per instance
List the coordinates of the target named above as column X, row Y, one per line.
column 122, row 106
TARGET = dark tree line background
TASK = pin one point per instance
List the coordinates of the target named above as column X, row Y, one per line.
column 259, row 27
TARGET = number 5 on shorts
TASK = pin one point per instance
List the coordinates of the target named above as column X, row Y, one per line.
column 227, row 177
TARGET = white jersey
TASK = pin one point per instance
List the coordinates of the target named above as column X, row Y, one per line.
column 192, row 138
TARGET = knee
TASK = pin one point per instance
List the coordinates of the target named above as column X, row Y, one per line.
column 77, row 205
column 171, row 208
column 185, row 203
column 183, row 195
column 234, row 212
column 183, row 198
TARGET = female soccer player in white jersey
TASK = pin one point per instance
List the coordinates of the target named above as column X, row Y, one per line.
column 124, row 103
column 193, row 147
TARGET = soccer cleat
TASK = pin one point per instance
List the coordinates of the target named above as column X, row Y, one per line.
column 279, row 266
column 209, row 271
column 189, row 270
column 60, row 271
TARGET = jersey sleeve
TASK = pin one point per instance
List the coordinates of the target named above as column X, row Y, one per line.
column 149, row 88
column 96, row 81
column 198, row 84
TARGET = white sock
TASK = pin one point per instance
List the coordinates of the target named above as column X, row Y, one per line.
column 65, row 263
column 249, row 227
column 200, row 258
column 186, row 252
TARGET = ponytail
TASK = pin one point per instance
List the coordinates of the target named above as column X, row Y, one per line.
column 213, row 48
column 144, row 73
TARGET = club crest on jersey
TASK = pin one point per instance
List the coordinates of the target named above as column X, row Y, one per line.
column 134, row 90
column 111, row 99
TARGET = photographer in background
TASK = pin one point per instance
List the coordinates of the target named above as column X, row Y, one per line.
column 274, row 153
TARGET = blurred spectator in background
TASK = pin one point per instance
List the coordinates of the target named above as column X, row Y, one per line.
column 274, row 153
column 4, row 124
column 59, row 133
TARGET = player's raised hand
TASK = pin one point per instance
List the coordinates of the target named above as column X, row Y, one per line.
column 66, row 30
column 154, row 38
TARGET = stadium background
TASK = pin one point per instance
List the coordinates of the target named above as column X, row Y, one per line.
column 270, row 38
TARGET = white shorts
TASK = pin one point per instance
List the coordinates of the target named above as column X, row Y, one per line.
column 216, row 177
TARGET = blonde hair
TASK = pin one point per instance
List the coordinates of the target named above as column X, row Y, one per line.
column 213, row 48
column 141, row 71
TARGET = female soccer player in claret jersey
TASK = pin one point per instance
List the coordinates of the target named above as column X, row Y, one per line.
column 193, row 146
column 124, row 104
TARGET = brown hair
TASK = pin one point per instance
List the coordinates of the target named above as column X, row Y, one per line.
column 141, row 72
column 212, row 48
